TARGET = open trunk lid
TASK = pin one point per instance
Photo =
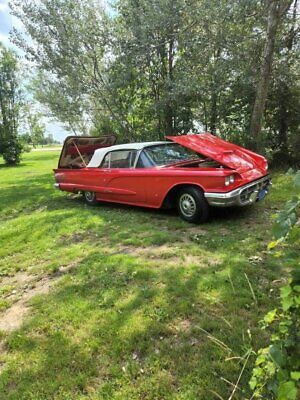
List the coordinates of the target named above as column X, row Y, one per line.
column 225, row 153
column 78, row 150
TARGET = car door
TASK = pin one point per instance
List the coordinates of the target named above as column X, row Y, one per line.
column 122, row 182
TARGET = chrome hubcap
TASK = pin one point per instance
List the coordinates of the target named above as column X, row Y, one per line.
column 89, row 196
column 187, row 205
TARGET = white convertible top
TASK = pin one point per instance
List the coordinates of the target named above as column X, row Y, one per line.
column 99, row 154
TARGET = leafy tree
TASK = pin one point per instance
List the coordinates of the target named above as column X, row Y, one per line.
column 10, row 146
column 276, row 9
column 68, row 43
column 147, row 58
column 282, row 117
column 154, row 67
column 35, row 129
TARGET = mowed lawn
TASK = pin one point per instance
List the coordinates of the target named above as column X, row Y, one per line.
column 128, row 303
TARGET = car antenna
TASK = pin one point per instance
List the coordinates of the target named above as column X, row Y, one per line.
column 82, row 159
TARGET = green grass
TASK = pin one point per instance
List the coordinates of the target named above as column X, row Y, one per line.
column 138, row 315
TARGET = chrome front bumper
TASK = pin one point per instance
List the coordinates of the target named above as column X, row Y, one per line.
column 242, row 196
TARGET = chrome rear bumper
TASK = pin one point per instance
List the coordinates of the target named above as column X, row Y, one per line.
column 242, row 196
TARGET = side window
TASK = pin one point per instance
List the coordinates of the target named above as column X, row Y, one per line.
column 105, row 162
column 119, row 159
column 143, row 161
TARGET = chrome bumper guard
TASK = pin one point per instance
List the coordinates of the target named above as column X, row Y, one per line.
column 56, row 185
column 242, row 196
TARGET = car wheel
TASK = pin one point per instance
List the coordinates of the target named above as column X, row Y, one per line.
column 192, row 205
column 90, row 198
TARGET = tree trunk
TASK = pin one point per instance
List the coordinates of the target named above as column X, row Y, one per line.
column 276, row 9
column 170, row 112
column 213, row 112
column 214, row 95
column 283, row 122
column 205, row 117
column 284, row 94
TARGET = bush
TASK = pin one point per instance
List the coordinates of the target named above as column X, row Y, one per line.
column 11, row 151
column 276, row 373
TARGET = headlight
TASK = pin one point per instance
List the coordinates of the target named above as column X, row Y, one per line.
column 229, row 179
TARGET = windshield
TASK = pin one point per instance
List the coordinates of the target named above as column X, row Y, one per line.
column 164, row 154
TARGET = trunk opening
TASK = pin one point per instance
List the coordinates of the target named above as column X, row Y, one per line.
column 77, row 151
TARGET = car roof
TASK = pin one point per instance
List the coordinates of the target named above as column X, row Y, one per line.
column 99, row 154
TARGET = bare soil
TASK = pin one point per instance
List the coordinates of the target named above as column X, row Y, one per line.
column 27, row 286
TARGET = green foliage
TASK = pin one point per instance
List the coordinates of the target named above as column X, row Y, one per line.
column 68, row 43
column 35, row 132
column 148, row 68
column 277, row 368
column 11, row 149
column 36, row 129
column 10, row 146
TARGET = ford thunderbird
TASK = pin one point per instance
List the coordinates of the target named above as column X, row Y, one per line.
column 190, row 172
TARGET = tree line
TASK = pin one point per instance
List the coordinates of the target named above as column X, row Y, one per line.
column 20, row 126
column 143, row 69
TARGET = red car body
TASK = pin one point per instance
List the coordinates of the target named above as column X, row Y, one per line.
column 225, row 173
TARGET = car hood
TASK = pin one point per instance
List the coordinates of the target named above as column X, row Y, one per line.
column 225, row 153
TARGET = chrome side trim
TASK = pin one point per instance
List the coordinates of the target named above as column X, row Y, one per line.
column 241, row 196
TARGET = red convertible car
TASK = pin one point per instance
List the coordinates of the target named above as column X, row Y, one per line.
column 189, row 172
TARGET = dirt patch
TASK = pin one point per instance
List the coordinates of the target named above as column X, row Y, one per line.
column 20, row 278
column 189, row 234
column 211, row 260
column 13, row 317
column 184, row 325
column 163, row 251
column 64, row 269
column 193, row 260
column 78, row 237
column 28, row 287
column 169, row 255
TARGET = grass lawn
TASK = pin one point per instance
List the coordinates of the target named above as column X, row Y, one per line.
column 127, row 303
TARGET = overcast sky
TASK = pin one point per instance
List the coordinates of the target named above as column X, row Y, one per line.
column 8, row 21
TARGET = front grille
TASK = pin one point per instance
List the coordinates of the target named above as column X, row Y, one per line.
column 256, row 187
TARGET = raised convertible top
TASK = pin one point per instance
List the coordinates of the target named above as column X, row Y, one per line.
column 101, row 153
